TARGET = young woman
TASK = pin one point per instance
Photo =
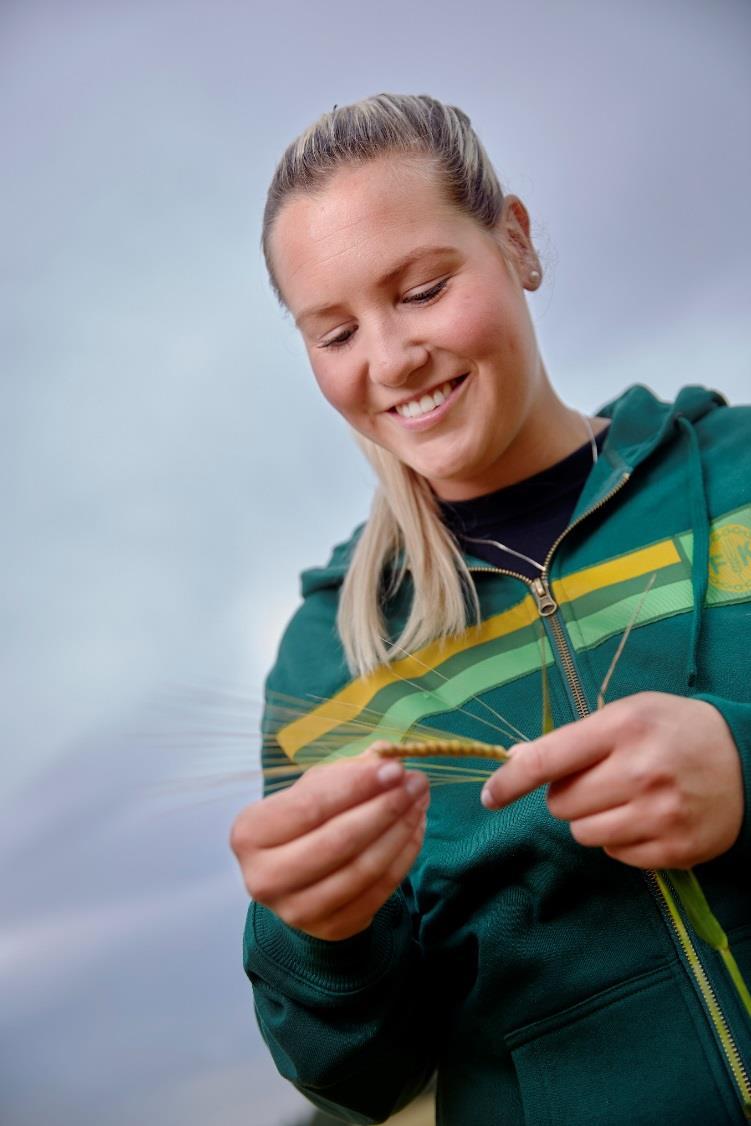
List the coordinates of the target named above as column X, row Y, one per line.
column 517, row 938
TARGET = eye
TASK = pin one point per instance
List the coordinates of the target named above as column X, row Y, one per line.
column 422, row 298
column 427, row 294
column 339, row 341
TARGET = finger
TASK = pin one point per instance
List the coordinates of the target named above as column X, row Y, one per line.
column 361, row 910
column 616, row 828
column 358, row 915
column 603, row 786
column 371, row 869
column 332, row 845
column 646, row 854
column 569, row 749
column 321, row 793
column 350, row 882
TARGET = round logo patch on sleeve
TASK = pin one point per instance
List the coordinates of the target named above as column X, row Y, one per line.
column 730, row 558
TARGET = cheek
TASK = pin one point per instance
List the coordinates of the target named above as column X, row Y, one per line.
column 335, row 385
column 323, row 375
column 476, row 329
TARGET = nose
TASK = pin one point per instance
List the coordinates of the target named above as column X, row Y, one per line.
column 394, row 356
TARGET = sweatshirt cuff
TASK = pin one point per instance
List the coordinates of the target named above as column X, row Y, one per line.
column 738, row 718
column 283, row 956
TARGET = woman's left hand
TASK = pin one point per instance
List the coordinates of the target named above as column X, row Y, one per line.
column 655, row 780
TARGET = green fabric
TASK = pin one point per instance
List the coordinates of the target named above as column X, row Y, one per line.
column 539, row 978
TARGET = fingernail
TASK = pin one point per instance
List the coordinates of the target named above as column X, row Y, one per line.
column 487, row 799
column 415, row 784
column 389, row 773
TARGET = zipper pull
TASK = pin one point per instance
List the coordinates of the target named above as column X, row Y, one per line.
column 546, row 604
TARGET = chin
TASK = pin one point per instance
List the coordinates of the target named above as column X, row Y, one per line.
column 448, row 470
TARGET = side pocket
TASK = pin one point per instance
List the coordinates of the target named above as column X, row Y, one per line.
column 630, row 1056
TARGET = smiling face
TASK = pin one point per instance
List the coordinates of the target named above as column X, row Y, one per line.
column 416, row 324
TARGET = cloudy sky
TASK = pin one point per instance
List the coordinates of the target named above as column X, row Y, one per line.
column 169, row 468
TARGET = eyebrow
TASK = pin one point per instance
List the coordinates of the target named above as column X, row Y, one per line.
column 415, row 255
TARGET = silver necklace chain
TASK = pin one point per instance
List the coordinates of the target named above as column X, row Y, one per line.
column 520, row 554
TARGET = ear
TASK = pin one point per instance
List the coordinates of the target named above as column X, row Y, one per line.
column 514, row 231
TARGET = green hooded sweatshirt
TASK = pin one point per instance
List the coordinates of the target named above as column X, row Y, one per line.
column 542, row 981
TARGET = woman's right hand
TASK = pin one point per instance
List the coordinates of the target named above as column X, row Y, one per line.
column 326, row 853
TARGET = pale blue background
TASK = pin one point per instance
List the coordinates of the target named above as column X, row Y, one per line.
column 168, row 467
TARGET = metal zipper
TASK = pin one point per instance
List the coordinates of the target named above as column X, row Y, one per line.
column 548, row 609
column 661, row 890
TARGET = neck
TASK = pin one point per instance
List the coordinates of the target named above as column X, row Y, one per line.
column 549, row 432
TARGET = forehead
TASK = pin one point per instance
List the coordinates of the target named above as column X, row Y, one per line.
column 361, row 221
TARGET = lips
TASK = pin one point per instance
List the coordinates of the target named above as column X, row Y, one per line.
column 437, row 406
column 427, row 401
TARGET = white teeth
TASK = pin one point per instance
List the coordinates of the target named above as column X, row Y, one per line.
column 426, row 403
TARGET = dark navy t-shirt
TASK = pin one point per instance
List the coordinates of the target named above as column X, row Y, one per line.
column 528, row 516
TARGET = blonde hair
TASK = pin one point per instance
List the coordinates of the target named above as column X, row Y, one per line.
column 404, row 529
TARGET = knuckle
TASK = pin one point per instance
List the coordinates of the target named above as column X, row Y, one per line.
column 309, row 802
column 640, row 776
column 241, row 838
column 306, row 809
column 656, row 714
column 633, row 715
column 536, row 763
column 395, row 802
column 259, row 887
column 367, row 868
column 672, row 814
column 581, row 833
column 304, row 910
column 646, row 773
column 312, row 776
column 238, row 836
column 339, row 839
column 556, row 803
column 646, row 703
column 633, row 724
column 262, row 880
column 377, row 895
column 294, row 916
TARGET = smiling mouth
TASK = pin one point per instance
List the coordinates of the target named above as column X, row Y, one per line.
column 429, row 401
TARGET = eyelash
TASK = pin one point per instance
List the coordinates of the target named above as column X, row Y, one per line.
column 421, row 298
column 427, row 294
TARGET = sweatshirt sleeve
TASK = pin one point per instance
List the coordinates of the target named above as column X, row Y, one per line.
column 737, row 716
column 347, row 1022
